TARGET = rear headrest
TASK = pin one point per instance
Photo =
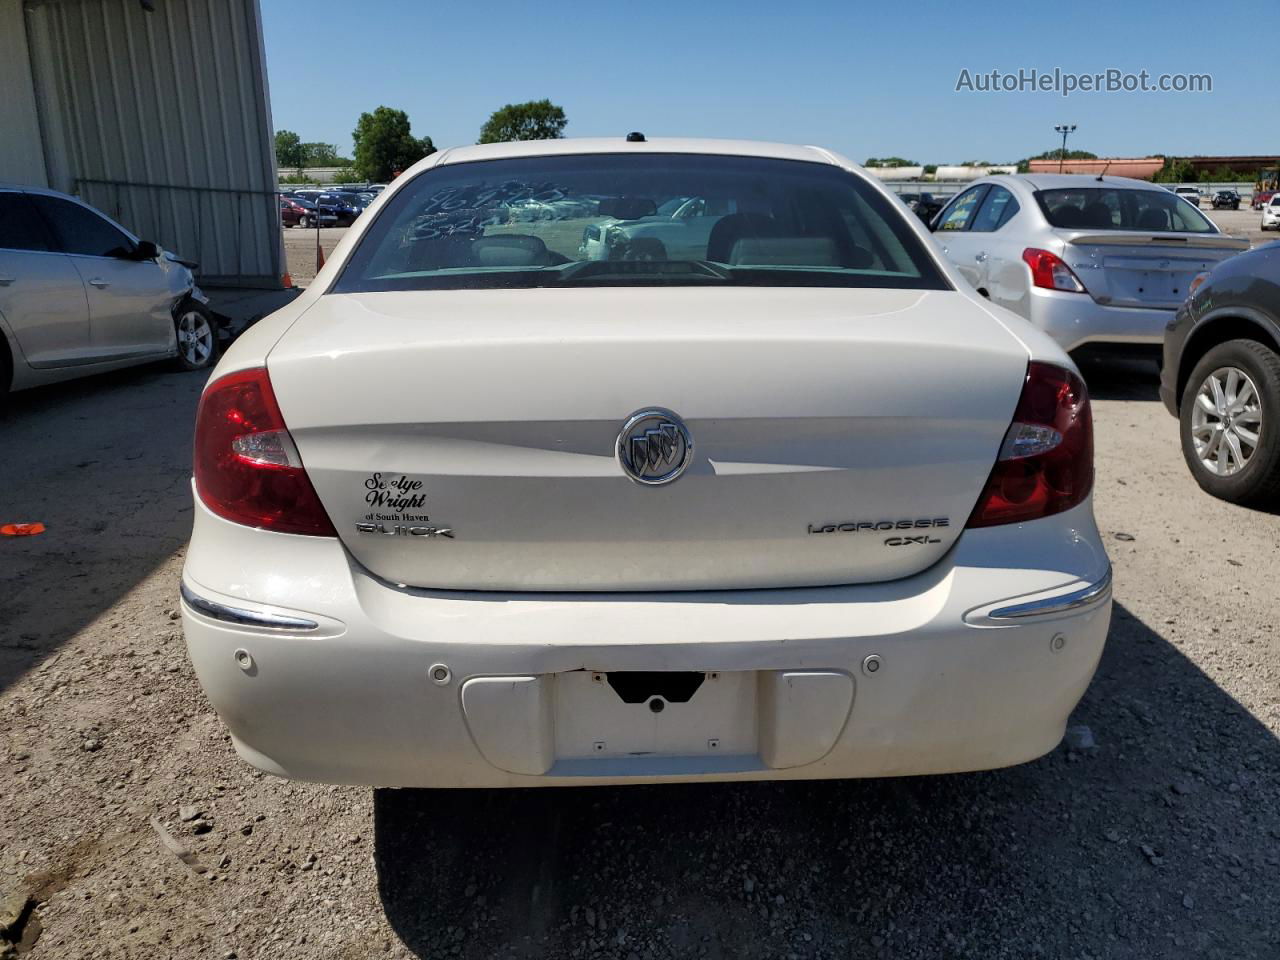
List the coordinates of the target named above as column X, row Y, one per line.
column 784, row 252
column 510, row 250
column 1153, row 218
column 737, row 226
column 1069, row 216
column 1097, row 214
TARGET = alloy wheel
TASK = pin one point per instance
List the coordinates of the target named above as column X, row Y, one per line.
column 1226, row 421
column 195, row 338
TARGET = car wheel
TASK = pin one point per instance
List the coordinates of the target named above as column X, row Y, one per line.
column 197, row 337
column 1230, row 422
column 305, row 221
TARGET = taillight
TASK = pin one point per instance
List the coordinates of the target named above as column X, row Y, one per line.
column 1050, row 272
column 247, row 469
column 1046, row 461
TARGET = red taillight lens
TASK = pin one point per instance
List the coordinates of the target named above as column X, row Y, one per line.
column 1046, row 460
column 1050, row 272
column 247, row 469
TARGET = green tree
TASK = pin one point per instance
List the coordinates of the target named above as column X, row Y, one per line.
column 1056, row 153
column 1175, row 170
column 320, row 155
column 535, row 120
column 889, row 162
column 385, row 145
column 289, row 152
column 347, row 174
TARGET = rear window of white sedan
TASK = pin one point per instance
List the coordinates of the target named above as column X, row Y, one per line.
column 638, row 220
column 1117, row 208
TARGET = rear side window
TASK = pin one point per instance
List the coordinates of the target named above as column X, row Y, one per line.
column 1118, row 208
column 638, row 220
column 20, row 225
column 995, row 211
column 79, row 231
column 960, row 213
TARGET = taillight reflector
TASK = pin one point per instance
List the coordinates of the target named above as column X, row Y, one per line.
column 246, row 466
column 1045, row 464
column 1050, row 272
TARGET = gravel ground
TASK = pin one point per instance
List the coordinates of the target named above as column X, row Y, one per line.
column 130, row 829
column 300, row 250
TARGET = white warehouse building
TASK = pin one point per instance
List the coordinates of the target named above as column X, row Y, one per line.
column 157, row 113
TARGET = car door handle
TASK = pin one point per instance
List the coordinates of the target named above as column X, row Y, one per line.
column 980, row 257
column 5, row 281
column 99, row 283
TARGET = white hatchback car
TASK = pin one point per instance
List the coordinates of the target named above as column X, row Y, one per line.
column 1091, row 261
column 474, row 511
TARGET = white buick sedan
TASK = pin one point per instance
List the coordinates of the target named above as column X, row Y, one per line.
column 478, row 510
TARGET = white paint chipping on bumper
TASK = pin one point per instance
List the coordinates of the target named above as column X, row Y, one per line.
column 353, row 700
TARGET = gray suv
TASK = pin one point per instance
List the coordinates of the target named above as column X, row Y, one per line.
column 1221, row 378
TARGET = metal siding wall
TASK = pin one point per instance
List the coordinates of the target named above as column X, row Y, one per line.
column 161, row 120
column 21, row 154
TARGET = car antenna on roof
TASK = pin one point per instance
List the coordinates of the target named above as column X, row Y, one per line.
column 1104, row 170
column 635, row 136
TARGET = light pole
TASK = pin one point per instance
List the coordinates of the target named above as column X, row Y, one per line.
column 1064, row 129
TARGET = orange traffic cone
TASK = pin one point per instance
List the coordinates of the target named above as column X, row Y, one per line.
column 286, row 280
column 319, row 256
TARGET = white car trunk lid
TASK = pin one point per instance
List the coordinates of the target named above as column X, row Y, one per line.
column 1135, row 269
column 466, row 439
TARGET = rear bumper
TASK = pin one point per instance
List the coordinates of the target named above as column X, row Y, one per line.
column 402, row 687
column 1075, row 320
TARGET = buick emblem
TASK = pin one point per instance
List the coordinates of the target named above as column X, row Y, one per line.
column 654, row 447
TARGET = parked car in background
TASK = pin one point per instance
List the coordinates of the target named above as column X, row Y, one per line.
column 308, row 214
column 1261, row 198
column 80, row 294
column 927, row 206
column 1226, row 200
column 1221, row 378
column 477, row 510
column 343, row 210
column 632, row 229
column 1271, row 214
column 292, row 212
column 1092, row 261
column 1189, row 194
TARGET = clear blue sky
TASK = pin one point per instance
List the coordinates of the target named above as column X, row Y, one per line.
column 864, row 79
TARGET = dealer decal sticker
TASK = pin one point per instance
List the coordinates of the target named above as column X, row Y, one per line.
column 397, row 502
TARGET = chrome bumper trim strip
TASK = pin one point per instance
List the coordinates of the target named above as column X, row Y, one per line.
column 1084, row 597
column 242, row 617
